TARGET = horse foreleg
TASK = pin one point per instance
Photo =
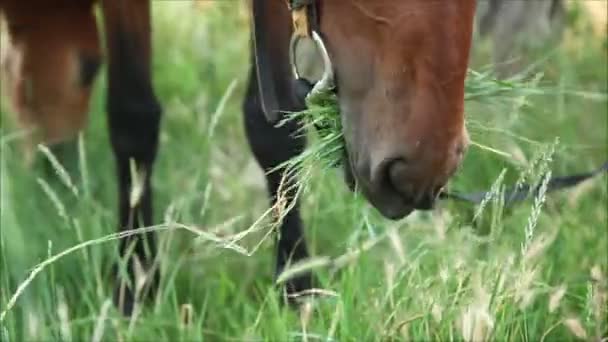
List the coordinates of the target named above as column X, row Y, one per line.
column 272, row 146
column 134, row 115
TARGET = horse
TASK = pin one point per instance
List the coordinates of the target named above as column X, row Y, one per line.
column 514, row 26
column 398, row 69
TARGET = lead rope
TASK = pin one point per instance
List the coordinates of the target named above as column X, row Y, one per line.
column 518, row 194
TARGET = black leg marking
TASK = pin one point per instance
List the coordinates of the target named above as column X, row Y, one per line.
column 271, row 146
column 134, row 123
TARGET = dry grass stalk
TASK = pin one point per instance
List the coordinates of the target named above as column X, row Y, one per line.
column 476, row 321
column 575, row 327
column 101, row 320
column 186, row 316
column 556, row 297
column 305, row 316
column 64, row 316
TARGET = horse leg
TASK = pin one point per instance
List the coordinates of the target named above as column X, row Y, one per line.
column 49, row 64
column 271, row 146
column 134, row 115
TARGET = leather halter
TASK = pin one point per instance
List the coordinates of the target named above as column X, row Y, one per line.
column 306, row 22
column 306, row 25
column 305, row 16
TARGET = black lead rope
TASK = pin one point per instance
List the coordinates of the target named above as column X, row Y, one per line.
column 523, row 192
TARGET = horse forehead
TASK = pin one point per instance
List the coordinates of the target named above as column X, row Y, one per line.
column 383, row 22
column 439, row 32
column 399, row 36
column 390, row 11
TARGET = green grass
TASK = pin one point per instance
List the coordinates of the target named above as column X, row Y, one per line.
column 422, row 278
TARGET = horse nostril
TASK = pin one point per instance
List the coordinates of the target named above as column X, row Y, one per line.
column 396, row 176
column 399, row 179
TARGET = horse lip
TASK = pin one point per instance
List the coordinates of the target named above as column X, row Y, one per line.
column 401, row 213
column 394, row 209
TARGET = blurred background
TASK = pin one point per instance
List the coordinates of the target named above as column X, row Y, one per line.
column 542, row 263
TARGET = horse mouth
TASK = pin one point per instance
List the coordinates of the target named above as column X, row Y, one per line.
column 394, row 210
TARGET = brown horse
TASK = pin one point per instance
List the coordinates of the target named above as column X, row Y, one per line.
column 399, row 69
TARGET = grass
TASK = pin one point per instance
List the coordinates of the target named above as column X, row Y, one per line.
column 530, row 272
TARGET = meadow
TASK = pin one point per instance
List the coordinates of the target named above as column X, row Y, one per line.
column 529, row 272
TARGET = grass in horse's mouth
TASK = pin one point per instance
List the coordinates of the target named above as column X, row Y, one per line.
column 326, row 149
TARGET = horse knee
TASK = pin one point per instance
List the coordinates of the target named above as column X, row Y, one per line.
column 134, row 124
column 134, row 112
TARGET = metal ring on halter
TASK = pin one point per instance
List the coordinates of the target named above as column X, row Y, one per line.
column 327, row 80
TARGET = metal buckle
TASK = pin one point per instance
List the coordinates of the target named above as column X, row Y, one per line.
column 327, row 80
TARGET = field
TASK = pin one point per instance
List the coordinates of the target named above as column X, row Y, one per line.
column 533, row 271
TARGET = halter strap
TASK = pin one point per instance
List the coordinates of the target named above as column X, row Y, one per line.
column 306, row 24
column 305, row 16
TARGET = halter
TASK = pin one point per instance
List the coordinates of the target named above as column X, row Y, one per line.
column 306, row 26
column 306, row 23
